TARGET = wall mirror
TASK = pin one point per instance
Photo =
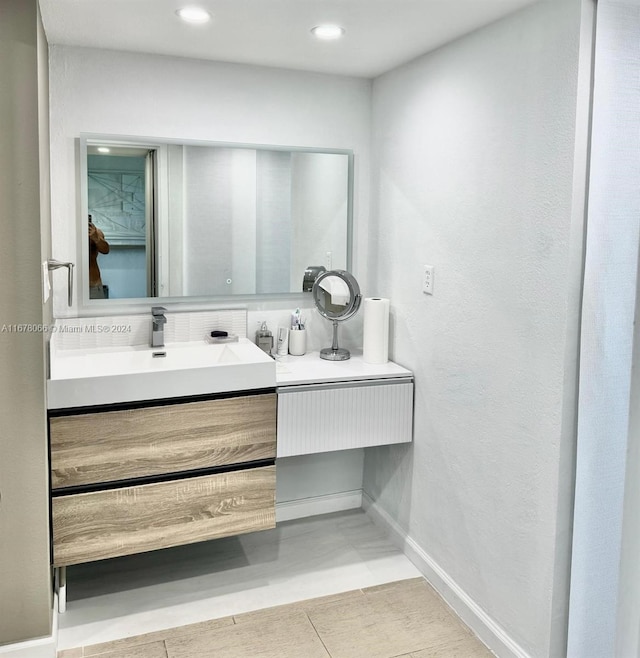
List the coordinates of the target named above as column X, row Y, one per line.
column 169, row 219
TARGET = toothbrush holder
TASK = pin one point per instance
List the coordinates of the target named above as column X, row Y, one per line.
column 297, row 342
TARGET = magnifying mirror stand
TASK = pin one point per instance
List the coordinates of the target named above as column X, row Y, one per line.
column 335, row 353
column 347, row 305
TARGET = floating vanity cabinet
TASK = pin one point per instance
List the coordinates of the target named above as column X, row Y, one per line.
column 326, row 405
column 128, row 480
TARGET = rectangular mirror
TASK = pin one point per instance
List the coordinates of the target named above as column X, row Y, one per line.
column 169, row 219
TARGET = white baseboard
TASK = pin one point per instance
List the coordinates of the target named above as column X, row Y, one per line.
column 491, row 633
column 337, row 502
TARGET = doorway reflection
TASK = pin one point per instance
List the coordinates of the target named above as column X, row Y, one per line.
column 119, row 189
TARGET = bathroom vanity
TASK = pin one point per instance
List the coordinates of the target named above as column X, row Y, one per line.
column 157, row 447
column 161, row 440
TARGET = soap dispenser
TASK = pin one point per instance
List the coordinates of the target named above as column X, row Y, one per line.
column 264, row 338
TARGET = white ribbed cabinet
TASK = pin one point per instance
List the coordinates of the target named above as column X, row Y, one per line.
column 315, row 418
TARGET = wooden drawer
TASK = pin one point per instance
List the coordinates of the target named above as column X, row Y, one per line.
column 119, row 445
column 102, row 524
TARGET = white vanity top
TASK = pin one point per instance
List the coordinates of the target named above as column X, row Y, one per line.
column 108, row 375
column 94, row 361
column 311, row 369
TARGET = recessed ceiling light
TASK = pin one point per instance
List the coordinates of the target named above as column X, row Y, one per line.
column 103, row 149
column 327, row 32
column 194, row 14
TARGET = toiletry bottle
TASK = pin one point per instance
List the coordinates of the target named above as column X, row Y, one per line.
column 264, row 338
column 282, row 342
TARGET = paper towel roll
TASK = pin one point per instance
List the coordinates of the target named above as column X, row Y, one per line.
column 375, row 340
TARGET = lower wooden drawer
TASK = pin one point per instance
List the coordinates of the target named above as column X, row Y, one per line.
column 103, row 524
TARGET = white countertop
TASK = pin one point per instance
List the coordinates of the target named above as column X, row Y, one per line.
column 97, row 376
column 109, row 375
column 311, row 369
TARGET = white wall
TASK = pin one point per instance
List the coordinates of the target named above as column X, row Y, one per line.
column 605, row 579
column 336, row 472
column 119, row 93
column 473, row 156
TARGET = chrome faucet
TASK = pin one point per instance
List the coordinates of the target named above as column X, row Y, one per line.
column 157, row 326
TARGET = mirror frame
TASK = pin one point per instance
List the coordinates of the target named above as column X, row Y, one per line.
column 89, row 307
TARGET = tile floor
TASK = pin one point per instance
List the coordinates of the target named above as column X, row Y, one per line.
column 215, row 588
column 405, row 618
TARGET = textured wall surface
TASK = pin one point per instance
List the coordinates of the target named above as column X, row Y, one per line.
column 473, row 155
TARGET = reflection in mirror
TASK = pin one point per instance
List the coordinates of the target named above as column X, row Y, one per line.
column 334, row 295
column 117, row 203
column 201, row 220
column 97, row 245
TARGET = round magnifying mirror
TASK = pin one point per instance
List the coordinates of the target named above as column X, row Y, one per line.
column 337, row 296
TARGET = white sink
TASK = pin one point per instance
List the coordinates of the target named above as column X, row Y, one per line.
column 94, row 376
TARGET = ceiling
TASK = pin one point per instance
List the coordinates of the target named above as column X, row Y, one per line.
column 380, row 34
